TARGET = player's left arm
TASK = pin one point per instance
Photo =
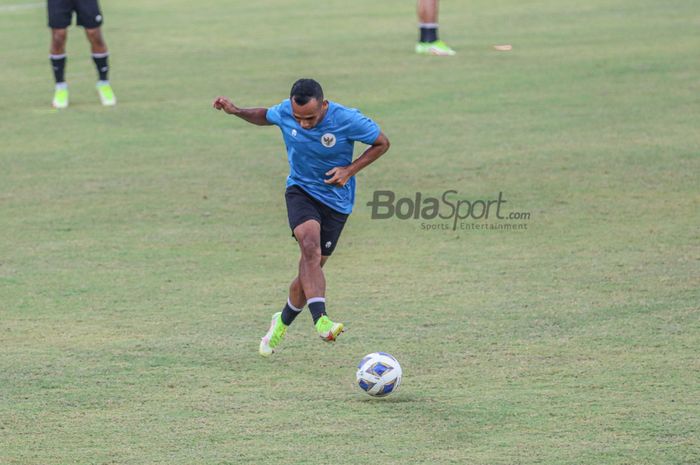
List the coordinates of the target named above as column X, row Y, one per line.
column 340, row 175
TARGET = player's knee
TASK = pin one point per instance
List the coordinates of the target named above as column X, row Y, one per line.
column 58, row 38
column 95, row 37
column 310, row 249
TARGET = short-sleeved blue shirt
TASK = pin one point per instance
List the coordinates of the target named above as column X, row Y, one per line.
column 313, row 152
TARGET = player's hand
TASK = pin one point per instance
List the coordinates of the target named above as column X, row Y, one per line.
column 339, row 176
column 224, row 103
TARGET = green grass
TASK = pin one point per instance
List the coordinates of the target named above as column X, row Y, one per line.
column 144, row 247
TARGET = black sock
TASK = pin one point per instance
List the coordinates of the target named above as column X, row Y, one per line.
column 317, row 307
column 289, row 313
column 58, row 63
column 428, row 32
column 101, row 64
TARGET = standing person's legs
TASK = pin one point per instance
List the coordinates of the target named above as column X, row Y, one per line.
column 100, row 54
column 90, row 17
column 97, row 41
column 428, row 20
column 57, row 54
column 428, row 11
column 59, row 37
column 429, row 43
column 60, row 14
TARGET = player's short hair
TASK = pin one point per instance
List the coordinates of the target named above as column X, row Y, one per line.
column 304, row 90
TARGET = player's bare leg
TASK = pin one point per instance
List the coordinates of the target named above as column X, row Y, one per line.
column 296, row 291
column 313, row 282
column 57, row 54
column 429, row 44
column 282, row 320
column 308, row 235
column 100, row 56
column 296, row 294
column 97, row 41
column 428, row 11
column 59, row 37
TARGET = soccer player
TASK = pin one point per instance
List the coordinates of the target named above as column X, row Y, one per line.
column 89, row 17
column 429, row 44
column 319, row 136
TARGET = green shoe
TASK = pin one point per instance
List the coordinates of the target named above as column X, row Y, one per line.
column 274, row 335
column 328, row 330
column 60, row 96
column 106, row 93
column 438, row 48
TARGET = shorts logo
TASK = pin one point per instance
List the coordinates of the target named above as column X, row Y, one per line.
column 328, row 244
column 328, row 140
column 98, row 18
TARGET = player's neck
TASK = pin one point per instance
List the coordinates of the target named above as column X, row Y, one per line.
column 323, row 115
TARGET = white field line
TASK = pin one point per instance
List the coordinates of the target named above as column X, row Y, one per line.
column 20, row 7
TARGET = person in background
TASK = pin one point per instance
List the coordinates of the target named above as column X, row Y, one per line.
column 429, row 43
column 89, row 17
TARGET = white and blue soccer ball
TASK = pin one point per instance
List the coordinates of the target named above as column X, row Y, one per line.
column 379, row 374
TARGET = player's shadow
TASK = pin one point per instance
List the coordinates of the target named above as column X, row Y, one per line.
column 398, row 398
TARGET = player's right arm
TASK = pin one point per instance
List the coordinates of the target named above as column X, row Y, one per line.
column 256, row 116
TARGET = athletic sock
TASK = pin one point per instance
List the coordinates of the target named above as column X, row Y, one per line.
column 289, row 313
column 317, row 307
column 428, row 32
column 101, row 64
column 58, row 63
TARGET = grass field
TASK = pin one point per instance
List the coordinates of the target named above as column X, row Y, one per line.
column 145, row 247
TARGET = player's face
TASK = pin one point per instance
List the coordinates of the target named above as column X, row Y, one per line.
column 309, row 115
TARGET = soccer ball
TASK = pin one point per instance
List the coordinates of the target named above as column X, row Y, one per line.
column 379, row 374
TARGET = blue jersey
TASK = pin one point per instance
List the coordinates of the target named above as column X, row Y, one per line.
column 313, row 152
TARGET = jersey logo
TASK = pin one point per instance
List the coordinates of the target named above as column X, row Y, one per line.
column 294, row 132
column 328, row 140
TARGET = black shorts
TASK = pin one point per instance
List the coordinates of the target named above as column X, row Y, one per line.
column 302, row 207
column 61, row 13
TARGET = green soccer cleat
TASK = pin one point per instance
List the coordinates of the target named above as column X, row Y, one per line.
column 106, row 94
column 328, row 330
column 274, row 335
column 438, row 48
column 60, row 97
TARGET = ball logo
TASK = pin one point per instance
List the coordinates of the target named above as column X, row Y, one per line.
column 328, row 140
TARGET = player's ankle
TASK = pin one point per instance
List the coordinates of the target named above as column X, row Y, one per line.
column 290, row 312
column 317, row 307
